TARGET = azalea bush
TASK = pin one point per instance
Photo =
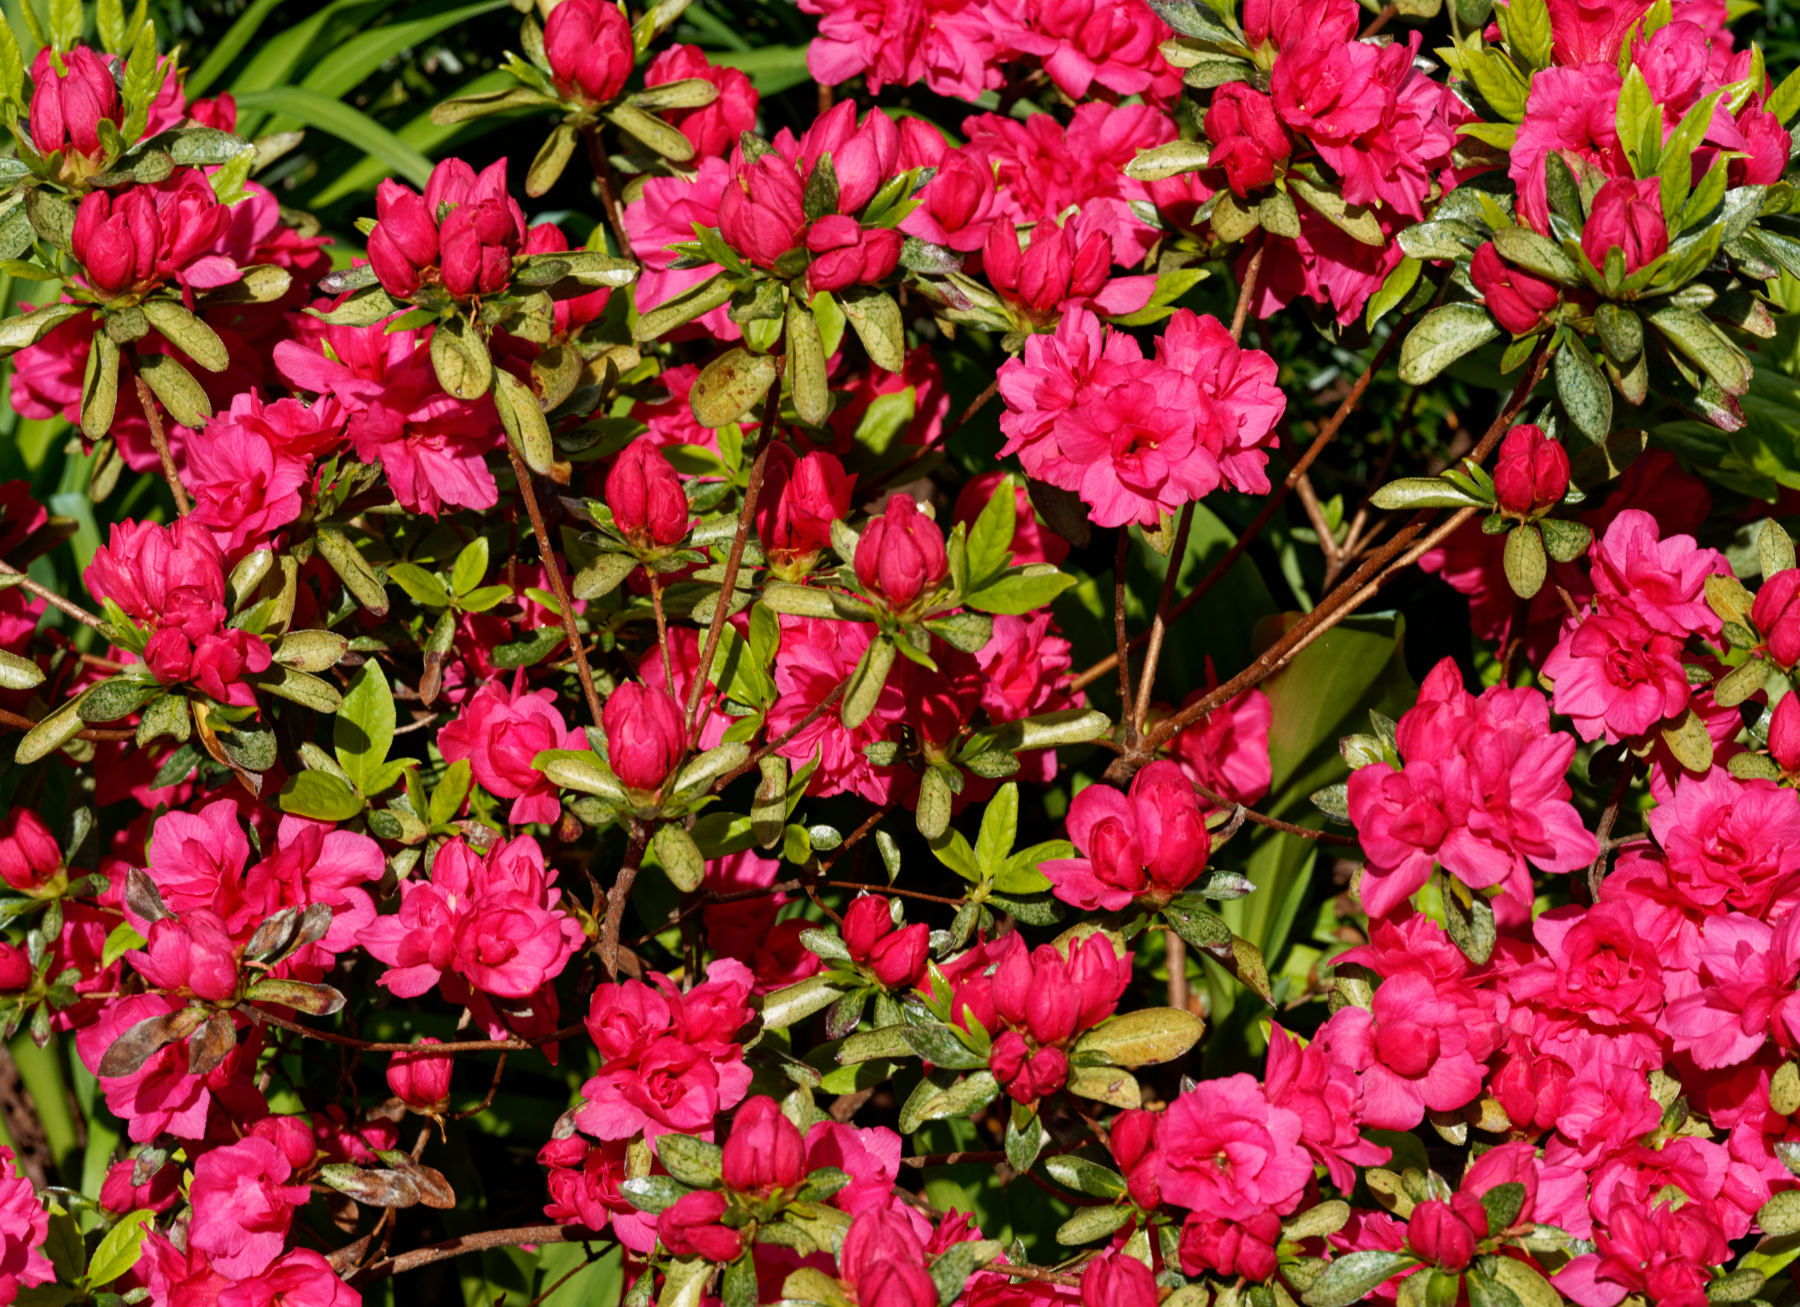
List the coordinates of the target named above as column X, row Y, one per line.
column 899, row 654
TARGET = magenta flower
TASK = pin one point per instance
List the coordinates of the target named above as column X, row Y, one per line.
column 1245, row 1247
column 1117, row 1280
column 884, row 1262
column 1531, row 473
column 1445, row 1233
column 1663, row 579
column 149, row 235
column 1247, row 137
column 643, row 735
column 500, row 732
column 765, row 1153
column 243, row 1206
column 712, row 129
column 1225, row 1151
column 588, row 43
column 1516, row 298
column 900, row 556
column 24, row 1226
column 67, row 107
column 301, row 1277
column 1410, row 1050
column 1746, row 995
column 164, row 576
column 193, row 955
column 29, row 854
column 897, row 956
column 690, row 1228
column 1627, row 216
column 801, row 497
column 1150, row 844
column 1777, row 617
column 1328, row 1099
column 1569, row 110
column 1616, row 675
column 421, row 1079
column 645, row 497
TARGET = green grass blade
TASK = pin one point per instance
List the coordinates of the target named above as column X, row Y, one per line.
column 349, row 125
column 230, row 46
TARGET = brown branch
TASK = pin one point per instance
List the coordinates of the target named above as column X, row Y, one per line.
column 22, row 723
column 528, row 493
column 160, row 440
column 620, row 894
column 1263, row 819
column 1122, row 655
column 767, row 435
column 1326, row 435
column 55, row 600
column 1336, row 606
column 377, row 1046
column 473, row 1243
column 603, row 178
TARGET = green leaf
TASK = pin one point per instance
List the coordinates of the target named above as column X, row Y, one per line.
column 321, row 796
column 120, row 1249
column 1639, row 122
column 1696, row 337
column 999, row 828
column 875, row 316
column 1582, row 387
column 1441, row 337
column 796, row 1002
column 1143, row 1037
column 806, row 365
column 991, row 535
column 1528, row 30
column 1358, row 223
column 470, row 567
column 1539, row 254
column 1786, row 99
column 1020, row 590
column 175, row 386
column 338, row 119
column 866, row 680
column 1397, row 286
column 122, row 940
column 940, row 1045
column 1525, row 562
column 1086, row 1177
column 730, row 386
column 1091, row 1223
column 1423, row 492
column 1349, row 1277
column 424, row 588
column 364, row 730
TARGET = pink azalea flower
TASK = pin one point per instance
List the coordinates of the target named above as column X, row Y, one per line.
column 500, row 732
column 1616, row 676
column 1730, row 843
column 1410, row 1050
column 299, row 1278
column 815, row 656
column 664, row 215
column 1664, row 578
column 1747, row 992
column 244, row 490
column 430, row 443
column 1328, row 1099
column 24, row 1226
column 1237, row 386
column 1082, row 42
column 1566, row 111
column 243, row 1206
column 947, row 44
column 1225, row 1150
column 1151, row 843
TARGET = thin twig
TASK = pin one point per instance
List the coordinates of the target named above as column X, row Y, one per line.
column 1122, row 653
column 55, row 600
column 619, row 895
column 437, row 1050
column 183, row 505
column 1326, row 435
column 1331, row 610
column 474, row 1243
column 603, row 178
column 1159, row 623
column 767, row 436
column 1273, row 823
column 22, row 723
column 528, row 493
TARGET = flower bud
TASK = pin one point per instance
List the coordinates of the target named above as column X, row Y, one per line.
column 1777, row 617
column 1784, row 733
column 589, row 46
column 690, row 1228
column 900, row 556
column 1171, row 834
column 1445, row 1234
column 66, row 109
column 846, row 255
column 15, row 968
column 420, row 1079
column 1117, row 1280
column 1626, row 214
column 800, row 500
column 29, row 856
column 1247, row 138
column 643, row 734
column 1231, row 1248
column 119, row 1195
column 960, row 199
column 1134, row 1149
column 897, row 957
column 645, row 497
column 765, row 1152
column 115, row 242
column 1531, row 473
column 476, row 244
column 1027, row 1075
column 1517, row 299
column 714, row 128
column 405, row 238
column 761, row 214
column 885, row 1263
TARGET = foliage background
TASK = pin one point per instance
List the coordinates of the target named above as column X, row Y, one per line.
column 360, row 77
